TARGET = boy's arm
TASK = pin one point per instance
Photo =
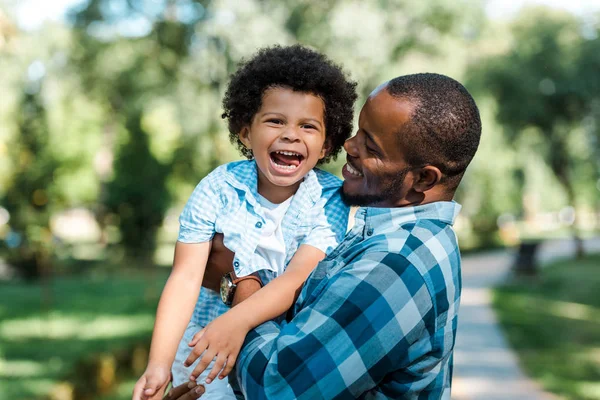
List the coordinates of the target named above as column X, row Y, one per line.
column 224, row 336
column 178, row 300
column 173, row 314
column 280, row 294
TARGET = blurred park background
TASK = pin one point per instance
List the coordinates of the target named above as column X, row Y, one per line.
column 110, row 115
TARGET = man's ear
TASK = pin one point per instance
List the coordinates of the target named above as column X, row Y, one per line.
column 426, row 178
column 244, row 136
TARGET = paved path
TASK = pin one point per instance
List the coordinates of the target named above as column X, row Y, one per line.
column 485, row 368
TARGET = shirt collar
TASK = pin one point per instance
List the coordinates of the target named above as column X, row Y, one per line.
column 382, row 219
column 244, row 175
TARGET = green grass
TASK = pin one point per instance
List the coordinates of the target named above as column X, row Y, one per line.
column 86, row 314
column 554, row 324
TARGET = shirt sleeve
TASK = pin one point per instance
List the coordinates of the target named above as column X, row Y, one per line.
column 344, row 342
column 331, row 223
column 197, row 220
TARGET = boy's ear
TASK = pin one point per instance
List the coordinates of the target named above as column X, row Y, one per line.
column 325, row 150
column 244, row 136
column 426, row 178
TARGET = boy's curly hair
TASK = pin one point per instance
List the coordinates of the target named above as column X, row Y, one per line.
column 300, row 69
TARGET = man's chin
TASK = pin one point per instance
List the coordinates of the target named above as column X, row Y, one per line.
column 360, row 200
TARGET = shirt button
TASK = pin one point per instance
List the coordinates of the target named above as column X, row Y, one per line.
column 236, row 264
column 369, row 232
column 258, row 225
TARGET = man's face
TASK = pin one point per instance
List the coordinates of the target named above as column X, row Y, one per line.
column 376, row 170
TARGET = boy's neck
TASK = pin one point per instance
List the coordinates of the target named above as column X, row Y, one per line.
column 273, row 193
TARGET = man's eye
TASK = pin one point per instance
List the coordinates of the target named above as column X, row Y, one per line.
column 372, row 151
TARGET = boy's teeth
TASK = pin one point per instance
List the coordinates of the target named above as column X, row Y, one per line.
column 290, row 167
column 287, row 153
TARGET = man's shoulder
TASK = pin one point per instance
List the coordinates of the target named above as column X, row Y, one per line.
column 327, row 180
column 423, row 242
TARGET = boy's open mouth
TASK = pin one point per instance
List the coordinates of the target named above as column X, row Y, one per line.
column 288, row 160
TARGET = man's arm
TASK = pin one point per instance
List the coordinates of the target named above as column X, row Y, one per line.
column 343, row 342
column 220, row 262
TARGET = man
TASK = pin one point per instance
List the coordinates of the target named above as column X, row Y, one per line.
column 377, row 318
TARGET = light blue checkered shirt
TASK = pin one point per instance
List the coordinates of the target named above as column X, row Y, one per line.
column 226, row 201
column 375, row 320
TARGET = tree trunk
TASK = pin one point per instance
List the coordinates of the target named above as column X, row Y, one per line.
column 563, row 177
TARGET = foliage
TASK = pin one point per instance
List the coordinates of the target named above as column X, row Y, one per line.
column 92, row 314
column 537, row 85
column 138, row 194
column 553, row 325
column 29, row 200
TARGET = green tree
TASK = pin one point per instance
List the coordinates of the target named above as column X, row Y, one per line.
column 181, row 52
column 138, row 193
column 30, row 194
column 536, row 90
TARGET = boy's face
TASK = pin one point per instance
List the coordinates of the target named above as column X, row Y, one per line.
column 376, row 169
column 287, row 137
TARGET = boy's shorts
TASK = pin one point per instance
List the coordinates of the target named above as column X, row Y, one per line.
column 217, row 389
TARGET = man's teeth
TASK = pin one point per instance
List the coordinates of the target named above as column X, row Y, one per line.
column 352, row 170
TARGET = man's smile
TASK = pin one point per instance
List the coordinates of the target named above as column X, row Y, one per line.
column 352, row 170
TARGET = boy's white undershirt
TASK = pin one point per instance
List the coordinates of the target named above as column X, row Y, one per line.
column 271, row 245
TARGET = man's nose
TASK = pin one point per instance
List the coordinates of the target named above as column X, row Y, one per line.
column 350, row 146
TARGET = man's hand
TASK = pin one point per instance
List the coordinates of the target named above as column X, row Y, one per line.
column 223, row 338
column 220, row 262
column 186, row 391
column 153, row 383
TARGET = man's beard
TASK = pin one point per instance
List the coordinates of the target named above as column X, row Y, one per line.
column 391, row 190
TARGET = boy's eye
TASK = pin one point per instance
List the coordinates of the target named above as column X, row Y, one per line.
column 308, row 126
column 275, row 121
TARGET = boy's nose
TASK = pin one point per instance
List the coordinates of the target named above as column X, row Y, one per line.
column 290, row 134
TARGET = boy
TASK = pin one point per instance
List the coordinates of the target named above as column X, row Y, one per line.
column 288, row 108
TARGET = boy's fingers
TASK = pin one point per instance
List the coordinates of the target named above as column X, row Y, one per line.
column 203, row 364
column 219, row 364
column 196, row 352
column 196, row 338
column 137, row 390
column 153, row 385
column 229, row 366
column 158, row 395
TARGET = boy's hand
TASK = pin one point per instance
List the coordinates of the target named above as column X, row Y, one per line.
column 153, row 383
column 221, row 339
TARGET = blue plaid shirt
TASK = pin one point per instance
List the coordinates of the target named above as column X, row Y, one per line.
column 226, row 201
column 376, row 319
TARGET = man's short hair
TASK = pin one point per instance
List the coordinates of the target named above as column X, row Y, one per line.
column 445, row 126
